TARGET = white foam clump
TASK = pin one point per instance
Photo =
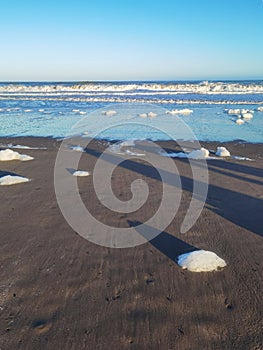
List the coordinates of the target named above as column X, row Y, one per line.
column 110, row 113
column 260, row 109
column 202, row 153
column 240, row 121
column 148, row 115
column 8, row 154
column 117, row 148
column 77, row 148
column 238, row 111
column 247, row 116
column 222, row 152
column 185, row 111
column 12, row 180
column 201, row 261
column 81, row 173
column 152, row 115
column 10, row 145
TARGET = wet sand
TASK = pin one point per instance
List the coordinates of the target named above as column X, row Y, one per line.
column 60, row 291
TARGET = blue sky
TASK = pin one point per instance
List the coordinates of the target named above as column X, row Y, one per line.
column 130, row 39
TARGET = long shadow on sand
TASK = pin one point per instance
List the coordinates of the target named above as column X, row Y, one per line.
column 241, row 209
column 5, row 173
column 167, row 244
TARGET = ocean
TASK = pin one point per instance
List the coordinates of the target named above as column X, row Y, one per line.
column 139, row 110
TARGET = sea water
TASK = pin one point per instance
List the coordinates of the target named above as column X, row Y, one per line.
column 52, row 109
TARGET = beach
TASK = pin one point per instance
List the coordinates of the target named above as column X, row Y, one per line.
column 60, row 291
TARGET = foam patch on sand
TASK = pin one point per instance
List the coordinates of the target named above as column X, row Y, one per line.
column 184, row 111
column 222, row 152
column 202, row 153
column 12, row 180
column 10, row 145
column 241, row 158
column 201, row 261
column 8, row 154
column 117, row 148
column 77, row 148
column 81, row 173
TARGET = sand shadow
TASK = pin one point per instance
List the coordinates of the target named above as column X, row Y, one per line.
column 241, row 209
column 166, row 243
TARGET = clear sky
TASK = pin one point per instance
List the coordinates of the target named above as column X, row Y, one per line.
column 67, row 40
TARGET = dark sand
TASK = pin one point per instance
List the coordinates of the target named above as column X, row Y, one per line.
column 59, row 291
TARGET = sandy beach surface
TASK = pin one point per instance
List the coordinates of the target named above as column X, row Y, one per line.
column 60, row 291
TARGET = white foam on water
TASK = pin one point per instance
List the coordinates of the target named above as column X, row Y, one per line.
column 185, row 111
column 201, row 261
column 81, row 173
column 109, row 113
column 8, row 154
column 233, row 111
column 222, row 152
column 12, row 180
column 203, row 87
column 239, row 121
column 260, row 109
column 152, row 115
column 143, row 115
column 247, row 116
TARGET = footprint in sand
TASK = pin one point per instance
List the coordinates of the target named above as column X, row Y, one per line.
column 41, row 326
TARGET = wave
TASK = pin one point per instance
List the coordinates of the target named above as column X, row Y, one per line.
column 205, row 87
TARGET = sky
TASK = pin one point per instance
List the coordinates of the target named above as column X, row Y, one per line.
column 72, row 40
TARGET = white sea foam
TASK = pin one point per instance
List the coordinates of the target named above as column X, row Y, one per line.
column 8, row 154
column 77, row 148
column 152, row 115
column 247, row 116
column 222, row 152
column 233, row 111
column 202, row 153
column 201, row 261
column 10, row 145
column 200, row 88
column 117, row 148
column 109, row 113
column 239, row 121
column 81, row 173
column 12, row 180
column 241, row 158
column 260, row 109
column 148, row 115
column 185, row 111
